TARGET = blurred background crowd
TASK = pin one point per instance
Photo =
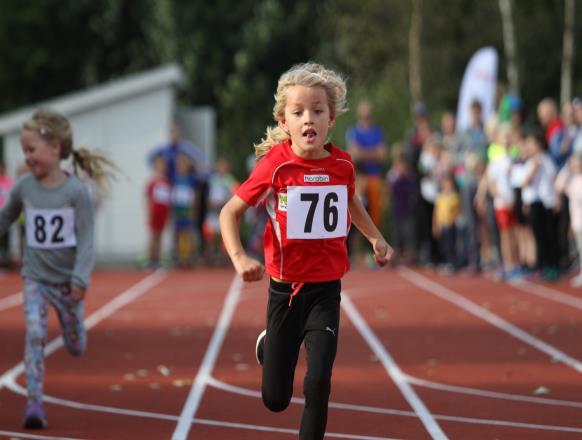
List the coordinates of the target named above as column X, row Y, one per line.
column 498, row 193
column 499, row 196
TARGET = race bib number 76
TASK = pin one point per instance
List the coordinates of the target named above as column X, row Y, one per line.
column 315, row 212
column 50, row 228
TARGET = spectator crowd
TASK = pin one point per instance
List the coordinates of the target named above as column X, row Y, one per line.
column 502, row 196
column 499, row 196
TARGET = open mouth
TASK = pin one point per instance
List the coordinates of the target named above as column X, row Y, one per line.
column 310, row 134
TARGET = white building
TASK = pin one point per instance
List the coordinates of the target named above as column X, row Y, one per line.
column 124, row 119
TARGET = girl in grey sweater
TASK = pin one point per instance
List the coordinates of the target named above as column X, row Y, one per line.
column 58, row 250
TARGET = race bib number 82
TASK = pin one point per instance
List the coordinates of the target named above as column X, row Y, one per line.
column 50, row 228
column 315, row 212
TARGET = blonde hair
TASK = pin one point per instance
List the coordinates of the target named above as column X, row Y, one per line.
column 307, row 75
column 53, row 126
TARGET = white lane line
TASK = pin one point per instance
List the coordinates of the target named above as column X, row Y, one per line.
column 491, row 394
column 377, row 410
column 522, row 425
column 10, row 301
column 414, row 381
column 392, row 369
column 493, row 319
column 205, row 371
column 19, row 435
column 104, row 312
column 300, row 401
column 13, row 386
column 284, row 430
column 16, row 388
column 549, row 293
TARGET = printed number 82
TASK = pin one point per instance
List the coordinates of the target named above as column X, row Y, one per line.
column 40, row 232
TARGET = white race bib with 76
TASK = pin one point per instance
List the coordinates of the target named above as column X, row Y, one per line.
column 315, row 212
column 50, row 228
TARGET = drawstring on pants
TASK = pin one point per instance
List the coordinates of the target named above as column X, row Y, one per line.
column 296, row 288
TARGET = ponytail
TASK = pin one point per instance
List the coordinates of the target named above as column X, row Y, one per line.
column 97, row 167
column 273, row 136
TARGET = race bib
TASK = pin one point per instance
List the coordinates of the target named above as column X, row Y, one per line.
column 50, row 228
column 161, row 194
column 182, row 195
column 315, row 212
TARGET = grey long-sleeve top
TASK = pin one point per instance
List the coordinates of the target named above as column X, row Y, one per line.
column 59, row 239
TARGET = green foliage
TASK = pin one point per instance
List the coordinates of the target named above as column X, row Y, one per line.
column 278, row 34
column 233, row 52
column 53, row 47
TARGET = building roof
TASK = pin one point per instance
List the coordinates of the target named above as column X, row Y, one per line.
column 98, row 96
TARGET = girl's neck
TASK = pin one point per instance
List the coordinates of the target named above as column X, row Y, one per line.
column 53, row 179
column 320, row 153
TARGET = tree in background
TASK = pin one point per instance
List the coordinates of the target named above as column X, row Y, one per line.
column 414, row 52
column 509, row 45
column 567, row 52
column 233, row 52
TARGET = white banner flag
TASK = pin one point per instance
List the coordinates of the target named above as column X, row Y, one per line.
column 479, row 83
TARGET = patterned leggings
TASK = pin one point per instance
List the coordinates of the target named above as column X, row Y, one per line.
column 37, row 297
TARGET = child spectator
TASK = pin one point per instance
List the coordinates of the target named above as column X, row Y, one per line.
column 539, row 195
column 499, row 185
column 474, row 169
column 525, row 240
column 430, row 168
column 446, row 213
column 183, row 198
column 5, row 187
column 222, row 185
column 158, row 201
column 570, row 181
column 400, row 183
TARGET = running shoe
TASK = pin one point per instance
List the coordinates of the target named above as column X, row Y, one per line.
column 515, row 276
column 551, row 274
column 34, row 417
column 260, row 347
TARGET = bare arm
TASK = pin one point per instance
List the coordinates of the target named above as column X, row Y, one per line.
column 382, row 250
column 248, row 268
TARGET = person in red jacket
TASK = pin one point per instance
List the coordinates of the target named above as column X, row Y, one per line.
column 307, row 188
column 158, row 191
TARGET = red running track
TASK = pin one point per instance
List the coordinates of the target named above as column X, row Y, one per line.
column 171, row 355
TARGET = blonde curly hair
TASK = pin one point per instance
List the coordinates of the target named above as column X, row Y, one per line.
column 307, row 75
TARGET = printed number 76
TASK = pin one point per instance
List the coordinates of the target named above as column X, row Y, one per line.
column 330, row 213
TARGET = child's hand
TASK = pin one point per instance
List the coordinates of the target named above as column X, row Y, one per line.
column 248, row 268
column 382, row 252
column 77, row 293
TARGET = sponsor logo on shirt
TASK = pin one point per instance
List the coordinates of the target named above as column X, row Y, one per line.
column 316, row 178
column 282, row 201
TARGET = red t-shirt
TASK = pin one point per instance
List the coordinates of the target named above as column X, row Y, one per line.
column 307, row 203
column 158, row 195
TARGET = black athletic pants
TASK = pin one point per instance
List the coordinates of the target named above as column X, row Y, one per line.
column 313, row 317
column 544, row 226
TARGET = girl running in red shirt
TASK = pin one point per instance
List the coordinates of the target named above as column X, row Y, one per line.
column 307, row 187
